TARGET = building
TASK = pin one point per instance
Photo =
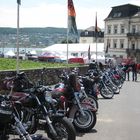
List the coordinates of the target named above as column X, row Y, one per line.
column 122, row 32
column 89, row 35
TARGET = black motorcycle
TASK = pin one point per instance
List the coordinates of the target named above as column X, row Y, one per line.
column 10, row 121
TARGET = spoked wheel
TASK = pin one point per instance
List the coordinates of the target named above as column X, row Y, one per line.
column 84, row 123
column 116, row 89
column 64, row 129
column 117, row 83
column 107, row 92
column 91, row 99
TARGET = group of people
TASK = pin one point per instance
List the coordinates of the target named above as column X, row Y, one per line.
column 132, row 67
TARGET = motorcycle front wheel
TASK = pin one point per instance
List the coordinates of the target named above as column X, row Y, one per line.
column 64, row 129
column 107, row 92
column 91, row 99
column 84, row 123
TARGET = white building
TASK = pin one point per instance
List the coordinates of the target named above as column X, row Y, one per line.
column 122, row 32
column 89, row 35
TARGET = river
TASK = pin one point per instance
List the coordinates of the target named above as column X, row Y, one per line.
column 21, row 50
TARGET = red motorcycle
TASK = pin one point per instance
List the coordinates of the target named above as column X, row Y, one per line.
column 68, row 93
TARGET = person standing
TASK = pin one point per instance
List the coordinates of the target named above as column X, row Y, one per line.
column 134, row 71
column 126, row 69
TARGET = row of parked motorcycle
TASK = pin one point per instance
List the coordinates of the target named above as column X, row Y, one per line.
column 60, row 110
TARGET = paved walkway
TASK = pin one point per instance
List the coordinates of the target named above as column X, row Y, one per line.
column 118, row 118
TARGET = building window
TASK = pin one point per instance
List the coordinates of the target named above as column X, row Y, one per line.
column 133, row 28
column 86, row 33
column 108, row 43
column 122, row 29
column 121, row 43
column 133, row 46
column 109, row 29
column 115, row 44
column 115, row 29
column 117, row 14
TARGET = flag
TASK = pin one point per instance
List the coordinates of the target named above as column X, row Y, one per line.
column 72, row 28
column 89, row 56
column 19, row 2
column 96, row 27
column 107, row 46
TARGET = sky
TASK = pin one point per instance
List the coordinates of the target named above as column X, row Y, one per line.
column 53, row 13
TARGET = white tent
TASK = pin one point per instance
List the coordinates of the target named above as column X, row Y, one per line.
column 10, row 53
column 80, row 48
column 100, row 58
column 33, row 52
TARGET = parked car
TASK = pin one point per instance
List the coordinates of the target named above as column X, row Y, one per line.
column 76, row 60
column 33, row 57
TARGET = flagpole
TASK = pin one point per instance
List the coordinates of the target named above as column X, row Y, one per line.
column 96, row 47
column 67, row 38
column 18, row 5
column 67, row 47
column 96, row 31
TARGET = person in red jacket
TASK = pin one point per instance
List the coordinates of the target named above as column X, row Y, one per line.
column 138, row 67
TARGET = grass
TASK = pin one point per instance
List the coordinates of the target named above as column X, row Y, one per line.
column 11, row 64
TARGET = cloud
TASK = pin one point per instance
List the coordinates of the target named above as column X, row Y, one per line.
column 44, row 15
column 54, row 15
column 135, row 2
column 50, row 15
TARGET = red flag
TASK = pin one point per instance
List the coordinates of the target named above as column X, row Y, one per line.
column 72, row 28
column 89, row 56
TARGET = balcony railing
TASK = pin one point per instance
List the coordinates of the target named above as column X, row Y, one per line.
column 133, row 50
column 137, row 34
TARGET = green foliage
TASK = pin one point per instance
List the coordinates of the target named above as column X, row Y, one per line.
column 10, row 64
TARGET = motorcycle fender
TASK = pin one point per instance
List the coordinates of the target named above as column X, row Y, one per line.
column 75, row 108
column 72, row 111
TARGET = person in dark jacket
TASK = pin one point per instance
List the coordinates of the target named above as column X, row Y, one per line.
column 134, row 71
column 126, row 69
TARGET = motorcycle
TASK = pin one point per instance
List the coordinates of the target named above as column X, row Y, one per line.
column 99, row 85
column 68, row 92
column 36, row 108
column 10, row 121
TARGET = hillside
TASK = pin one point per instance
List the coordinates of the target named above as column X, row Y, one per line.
column 33, row 37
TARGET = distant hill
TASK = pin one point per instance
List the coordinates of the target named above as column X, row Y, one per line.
column 33, row 37
column 50, row 30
